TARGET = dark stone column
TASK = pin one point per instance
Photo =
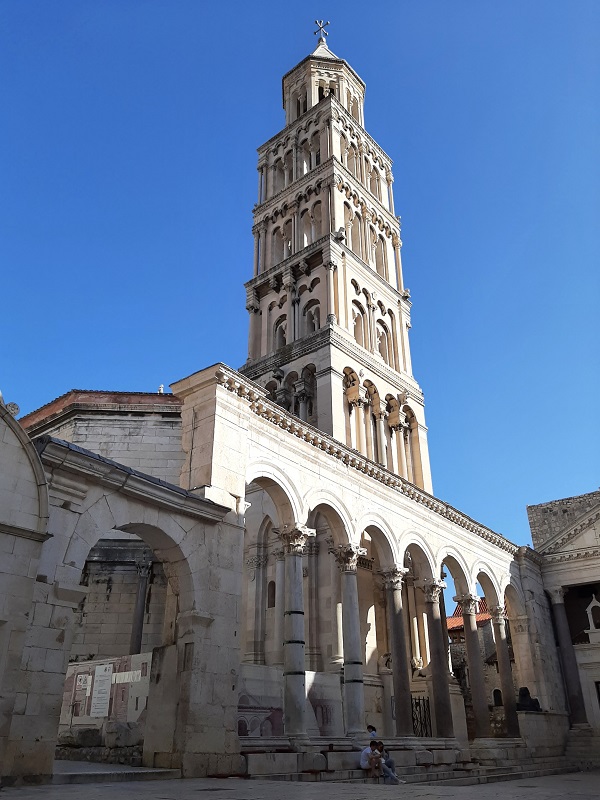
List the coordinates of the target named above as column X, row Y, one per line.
column 439, row 659
column 569, row 661
column 468, row 603
column 398, row 646
column 504, row 668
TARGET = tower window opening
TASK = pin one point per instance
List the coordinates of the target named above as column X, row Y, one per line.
column 321, row 93
column 271, row 593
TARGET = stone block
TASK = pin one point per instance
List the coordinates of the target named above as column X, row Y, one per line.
column 444, row 756
column 312, row 762
column 423, row 757
column 404, row 758
column 271, row 763
column 343, row 760
column 122, row 734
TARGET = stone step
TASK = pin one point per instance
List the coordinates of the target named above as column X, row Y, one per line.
column 72, row 772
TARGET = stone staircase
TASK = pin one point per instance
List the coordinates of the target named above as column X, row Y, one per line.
column 583, row 747
column 76, row 772
column 439, row 762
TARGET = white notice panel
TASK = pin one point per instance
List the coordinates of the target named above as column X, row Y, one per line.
column 101, row 690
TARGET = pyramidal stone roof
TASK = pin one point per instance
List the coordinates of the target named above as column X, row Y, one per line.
column 323, row 51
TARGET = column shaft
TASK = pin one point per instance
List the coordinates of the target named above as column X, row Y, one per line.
column 569, row 661
column 398, row 647
column 137, row 628
column 439, row 661
column 506, row 680
column 279, row 605
column 474, row 660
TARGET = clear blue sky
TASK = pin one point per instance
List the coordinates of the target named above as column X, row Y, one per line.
column 128, row 164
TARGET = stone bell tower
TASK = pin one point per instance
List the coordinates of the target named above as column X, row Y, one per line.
column 329, row 314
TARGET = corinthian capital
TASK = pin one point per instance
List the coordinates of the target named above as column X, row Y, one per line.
column 294, row 538
column 432, row 589
column 557, row 594
column 347, row 555
column 498, row 614
column 468, row 602
column 393, row 578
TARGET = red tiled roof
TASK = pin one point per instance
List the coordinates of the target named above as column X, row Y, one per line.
column 455, row 622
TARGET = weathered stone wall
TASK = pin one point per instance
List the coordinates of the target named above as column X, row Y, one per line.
column 548, row 519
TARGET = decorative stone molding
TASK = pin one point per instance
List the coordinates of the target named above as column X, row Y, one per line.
column 571, row 533
column 255, row 395
column 574, row 555
column 347, row 555
column 257, row 561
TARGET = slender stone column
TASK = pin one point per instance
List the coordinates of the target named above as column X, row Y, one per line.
column 380, row 417
column 439, row 661
column 354, row 699
column 313, row 651
column 294, row 678
column 337, row 644
column 255, row 646
column 279, row 604
column 569, row 661
column 506, row 680
column 398, row 646
column 143, row 571
column 330, row 266
column 468, row 603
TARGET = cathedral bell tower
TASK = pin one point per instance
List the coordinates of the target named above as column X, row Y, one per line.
column 329, row 314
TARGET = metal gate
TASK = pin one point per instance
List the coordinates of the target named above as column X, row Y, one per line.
column 421, row 715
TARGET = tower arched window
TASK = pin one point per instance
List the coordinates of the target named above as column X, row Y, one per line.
column 279, row 176
column 317, row 222
column 315, row 148
column 312, row 317
column 279, row 333
column 305, row 227
column 380, row 260
column 288, row 167
column 353, row 160
column 271, row 593
column 287, row 239
column 276, row 246
column 384, row 344
column 305, row 156
column 355, row 242
column 359, row 322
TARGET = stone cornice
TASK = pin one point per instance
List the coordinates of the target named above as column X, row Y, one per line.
column 290, row 262
column 572, row 555
column 23, row 533
column 57, row 455
column 332, row 335
column 233, row 382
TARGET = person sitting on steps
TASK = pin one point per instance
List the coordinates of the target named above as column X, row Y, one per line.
column 388, row 763
column 370, row 759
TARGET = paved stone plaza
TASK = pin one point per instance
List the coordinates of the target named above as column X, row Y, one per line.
column 577, row 786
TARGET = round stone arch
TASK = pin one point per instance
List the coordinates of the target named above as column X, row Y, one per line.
column 458, row 568
column 420, row 553
column 485, row 576
column 383, row 539
column 284, row 494
column 337, row 516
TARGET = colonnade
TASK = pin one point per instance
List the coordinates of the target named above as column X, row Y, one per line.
column 416, row 639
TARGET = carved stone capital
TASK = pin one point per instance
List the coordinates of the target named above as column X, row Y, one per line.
column 557, row 594
column 294, row 538
column 257, row 561
column 468, row 602
column 393, row 578
column 432, row 589
column 347, row 555
column 330, row 265
column 498, row 614
column 143, row 568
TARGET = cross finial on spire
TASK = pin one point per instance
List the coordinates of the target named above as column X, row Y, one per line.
column 322, row 33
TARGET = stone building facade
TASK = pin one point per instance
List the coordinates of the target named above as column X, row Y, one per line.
column 288, row 506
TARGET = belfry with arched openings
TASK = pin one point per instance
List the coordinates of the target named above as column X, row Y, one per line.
column 284, row 566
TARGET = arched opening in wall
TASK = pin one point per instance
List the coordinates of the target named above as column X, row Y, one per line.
column 353, row 161
column 497, row 698
column 306, row 228
column 375, row 183
column 315, row 149
column 136, row 582
column 355, row 236
column 288, row 167
column 519, row 640
column 317, row 221
column 289, row 383
column 380, row 259
column 384, row 342
column 420, row 570
column 354, row 109
column 278, row 176
column 375, row 622
column 351, row 386
column 375, row 429
column 344, row 149
column 304, row 149
column 306, row 393
column 359, row 324
column 288, row 248
column 280, row 332
column 276, row 246
column 260, row 683
column 271, row 388
column 312, row 317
